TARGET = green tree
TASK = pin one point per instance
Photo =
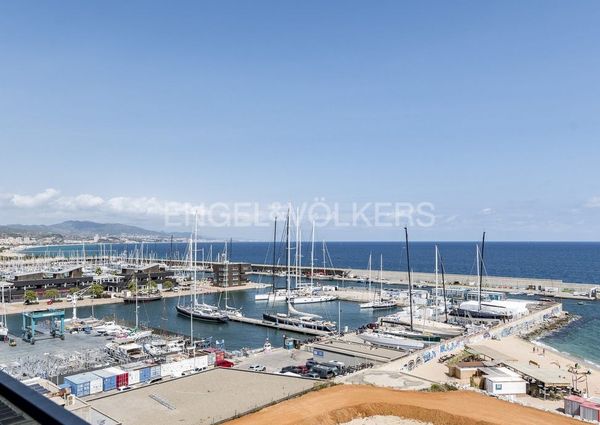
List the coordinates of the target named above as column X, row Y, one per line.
column 168, row 285
column 98, row 271
column 97, row 290
column 152, row 284
column 52, row 293
column 132, row 286
column 30, row 295
column 73, row 290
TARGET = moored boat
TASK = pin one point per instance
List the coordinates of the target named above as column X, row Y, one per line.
column 391, row 341
column 141, row 298
column 204, row 314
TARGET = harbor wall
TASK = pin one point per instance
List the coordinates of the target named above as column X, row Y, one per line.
column 432, row 353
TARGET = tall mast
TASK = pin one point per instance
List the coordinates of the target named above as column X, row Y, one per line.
column 444, row 286
column 274, row 255
column 380, row 277
column 312, row 256
column 287, row 257
column 410, row 299
column 481, row 267
column 136, row 301
column 193, row 256
column 436, row 283
column 226, row 282
column 369, row 281
column 298, row 251
column 324, row 260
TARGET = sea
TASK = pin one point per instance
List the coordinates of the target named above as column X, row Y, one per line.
column 567, row 261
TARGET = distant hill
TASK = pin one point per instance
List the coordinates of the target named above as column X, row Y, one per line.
column 79, row 228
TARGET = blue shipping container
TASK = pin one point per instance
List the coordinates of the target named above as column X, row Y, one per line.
column 109, row 379
column 145, row 374
column 80, row 386
column 155, row 372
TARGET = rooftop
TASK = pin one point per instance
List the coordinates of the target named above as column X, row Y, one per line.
column 356, row 349
column 546, row 376
column 203, row 398
column 490, row 353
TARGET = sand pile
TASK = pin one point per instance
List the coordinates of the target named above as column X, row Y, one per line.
column 344, row 403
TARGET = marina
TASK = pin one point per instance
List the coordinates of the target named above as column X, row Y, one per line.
column 339, row 328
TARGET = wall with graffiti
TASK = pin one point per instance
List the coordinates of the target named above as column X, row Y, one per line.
column 522, row 325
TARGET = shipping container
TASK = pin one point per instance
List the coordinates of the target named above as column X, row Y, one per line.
column 572, row 404
column 96, row 383
column 80, row 386
column 144, row 374
column 109, row 379
column 122, row 376
column 590, row 411
column 155, row 372
column 133, row 377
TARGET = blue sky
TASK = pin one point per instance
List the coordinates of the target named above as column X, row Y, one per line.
column 490, row 111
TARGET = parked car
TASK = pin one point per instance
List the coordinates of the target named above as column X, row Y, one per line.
column 224, row 363
column 257, row 368
column 125, row 388
column 323, row 372
column 311, row 362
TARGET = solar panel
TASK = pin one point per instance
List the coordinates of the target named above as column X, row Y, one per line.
column 10, row 415
column 38, row 388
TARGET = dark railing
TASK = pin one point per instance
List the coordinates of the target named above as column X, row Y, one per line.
column 35, row 405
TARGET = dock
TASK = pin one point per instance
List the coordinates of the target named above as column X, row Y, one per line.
column 281, row 326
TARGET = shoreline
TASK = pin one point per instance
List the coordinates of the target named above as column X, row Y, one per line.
column 516, row 281
column 537, row 335
column 537, row 339
column 20, row 307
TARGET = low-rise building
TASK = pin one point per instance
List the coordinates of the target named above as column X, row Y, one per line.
column 230, row 274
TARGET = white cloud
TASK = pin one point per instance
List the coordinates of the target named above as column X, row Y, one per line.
column 593, row 202
column 28, row 201
column 487, row 211
column 50, row 201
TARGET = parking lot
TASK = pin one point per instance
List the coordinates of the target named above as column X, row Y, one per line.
column 275, row 359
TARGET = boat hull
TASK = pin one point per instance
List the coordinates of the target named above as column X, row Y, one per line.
column 292, row 321
column 142, row 299
column 313, row 300
column 480, row 314
column 395, row 342
column 435, row 328
column 197, row 315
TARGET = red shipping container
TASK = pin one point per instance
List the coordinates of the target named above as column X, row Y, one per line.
column 122, row 380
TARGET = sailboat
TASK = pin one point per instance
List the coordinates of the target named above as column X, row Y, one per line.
column 229, row 310
column 422, row 325
column 378, row 304
column 202, row 311
column 295, row 317
column 427, row 338
column 3, row 327
column 391, row 341
column 477, row 310
column 310, row 294
column 276, row 295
